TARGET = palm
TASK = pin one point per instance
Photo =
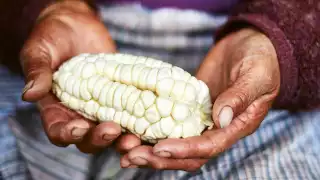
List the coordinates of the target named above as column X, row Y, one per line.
column 61, row 34
column 243, row 79
column 82, row 34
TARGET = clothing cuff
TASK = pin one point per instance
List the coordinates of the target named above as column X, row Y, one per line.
column 285, row 54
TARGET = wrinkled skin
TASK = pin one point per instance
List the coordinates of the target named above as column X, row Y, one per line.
column 243, row 76
column 242, row 73
column 64, row 30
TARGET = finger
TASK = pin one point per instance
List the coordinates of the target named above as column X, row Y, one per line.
column 125, row 162
column 86, row 146
column 243, row 92
column 244, row 96
column 38, row 77
column 207, row 145
column 213, row 142
column 104, row 134
column 62, row 125
column 127, row 142
column 143, row 156
column 45, row 49
column 99, row 137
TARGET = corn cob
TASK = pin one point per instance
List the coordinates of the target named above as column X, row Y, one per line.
column 147, row 97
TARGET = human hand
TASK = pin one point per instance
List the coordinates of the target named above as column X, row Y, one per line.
column 243, row 76
column 64, row 30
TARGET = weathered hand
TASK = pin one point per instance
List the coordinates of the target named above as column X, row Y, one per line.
column 64, row 30
column 243, row 75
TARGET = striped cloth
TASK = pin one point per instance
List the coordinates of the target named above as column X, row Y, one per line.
column 286, row 145
column 12, row 165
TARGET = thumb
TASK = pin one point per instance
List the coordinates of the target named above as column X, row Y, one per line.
column 236, row 99
column 36, row 64
column 44, row 50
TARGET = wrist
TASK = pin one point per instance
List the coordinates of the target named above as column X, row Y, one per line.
column 63, row 7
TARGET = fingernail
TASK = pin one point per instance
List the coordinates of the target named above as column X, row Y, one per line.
column 27, row 86
column 225, row 116
column 139, row 161
column 78, row 132
column 109, row 137
column 163, row 154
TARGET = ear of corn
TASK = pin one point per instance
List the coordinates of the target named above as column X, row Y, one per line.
column 147, row 97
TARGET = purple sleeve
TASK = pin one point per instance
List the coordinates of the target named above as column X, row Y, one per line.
column 293, row 26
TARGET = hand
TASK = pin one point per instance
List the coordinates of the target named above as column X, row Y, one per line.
column 242, row 73
column 64, row 30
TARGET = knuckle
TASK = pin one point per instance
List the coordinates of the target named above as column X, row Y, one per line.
column 219, row 149
column 240, row 98
column 242, row 123
column 257, row 111
column 35, row 47
column 248, row 122
column 213, row 149
column 33, row 58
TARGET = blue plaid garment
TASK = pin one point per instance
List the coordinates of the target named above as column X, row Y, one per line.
column 12, row 165
column 286, row 146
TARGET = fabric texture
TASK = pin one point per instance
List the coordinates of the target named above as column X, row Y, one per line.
column 12, row 164
column 202, row 5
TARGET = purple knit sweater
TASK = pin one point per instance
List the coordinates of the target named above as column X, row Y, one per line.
column 292, row 25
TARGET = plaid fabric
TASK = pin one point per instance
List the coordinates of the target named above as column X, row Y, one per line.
column 286, row 145
column 12, row 165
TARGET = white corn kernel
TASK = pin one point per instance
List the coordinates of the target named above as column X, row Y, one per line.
column 147, row 97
